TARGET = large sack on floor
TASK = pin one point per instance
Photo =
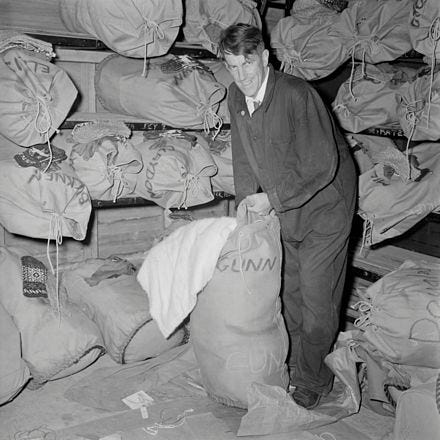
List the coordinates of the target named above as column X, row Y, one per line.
column 400, row 315
column 176, row 90
column 57, row 338
column 133, row 28
column 13, row 370
column 237, row 329
column 418, row 413
column 35, row 96
column 107, row 290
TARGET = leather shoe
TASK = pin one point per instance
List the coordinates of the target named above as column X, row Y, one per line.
column 306, row 398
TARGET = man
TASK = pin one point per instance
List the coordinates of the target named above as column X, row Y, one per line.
column 287, row 146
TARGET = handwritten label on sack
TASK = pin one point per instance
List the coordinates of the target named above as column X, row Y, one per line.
column 70, row 181
column 237, row 264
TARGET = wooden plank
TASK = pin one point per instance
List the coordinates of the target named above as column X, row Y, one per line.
column 386, row 258
column 34, row 17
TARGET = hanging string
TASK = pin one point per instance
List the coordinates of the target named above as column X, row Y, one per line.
column 191, row 182
column 210, row 119
column 434, row 36
column 43, row 124
column 364, row 319
column 412, row 118
column 55, row 231
column 157, row 31
column 114, row 172
column 249, row 291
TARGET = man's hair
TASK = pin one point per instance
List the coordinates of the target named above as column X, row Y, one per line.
column 241, row 39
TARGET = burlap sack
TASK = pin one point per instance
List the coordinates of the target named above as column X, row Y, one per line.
column 177, row 169
column 424, row 28
column 57, row 338
column 237, row 329
column 35, row 97
column 108, row 166
column 14, row 372
column 205, row 19
column 109, row 294
column 134, row 28
column 42, row 204
column 177, row 90
column 400, row 315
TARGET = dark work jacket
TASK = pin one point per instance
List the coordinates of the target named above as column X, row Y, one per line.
column 290, row 147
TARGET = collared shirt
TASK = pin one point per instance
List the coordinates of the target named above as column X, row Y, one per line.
column 259, row 96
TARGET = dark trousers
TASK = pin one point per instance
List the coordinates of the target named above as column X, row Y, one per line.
column 315, row 241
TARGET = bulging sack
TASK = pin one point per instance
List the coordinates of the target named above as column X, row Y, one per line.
column 174, row 90
column 400, row 315
column 35, row 97
column 237, row 329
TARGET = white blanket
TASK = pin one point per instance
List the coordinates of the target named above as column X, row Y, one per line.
column 179, row 267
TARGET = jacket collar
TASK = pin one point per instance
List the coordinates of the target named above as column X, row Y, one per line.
column 241, row 100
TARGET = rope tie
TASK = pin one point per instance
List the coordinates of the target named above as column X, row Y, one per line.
column 365, row 308
column 114, row 172
column 55, row 231
column 412, row 117
column 352, row 51
column 167, row 423
column 43, row 123
column 344, row 109
column 150, row 25
column 434, row 36
column 366, row 234
column 191, row 181
column 210, row 119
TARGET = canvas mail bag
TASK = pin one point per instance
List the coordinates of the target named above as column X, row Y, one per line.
column 35, row 97
column 133, row 28
column 237, row 329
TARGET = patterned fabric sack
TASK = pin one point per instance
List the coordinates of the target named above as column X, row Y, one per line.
column 35, row 96
column 14, row 372
column 41, row 202
column 177, row 90
column 368, row 98
column 108, row 166
column 424, row 28
column 177, row 169
column 134, row 28
column 205, row 19
column 57, row 337
column 237, row 329
column 109, row 294
column 400, row 315
column 418, row 108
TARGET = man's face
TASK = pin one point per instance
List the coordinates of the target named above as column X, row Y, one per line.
column 248, row 71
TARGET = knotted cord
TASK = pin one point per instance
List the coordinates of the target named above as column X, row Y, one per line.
column 434, row 36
